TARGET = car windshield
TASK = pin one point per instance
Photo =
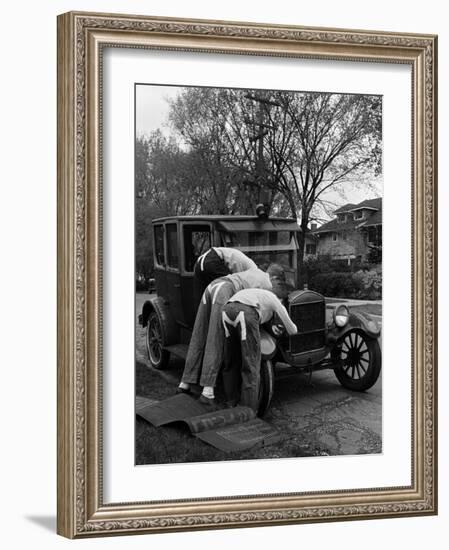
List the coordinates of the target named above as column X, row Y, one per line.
column 260, row 238
column 264, row 247
column 264, row 259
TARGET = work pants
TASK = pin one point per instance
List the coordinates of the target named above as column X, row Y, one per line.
column 242, row 357
column 206, row 348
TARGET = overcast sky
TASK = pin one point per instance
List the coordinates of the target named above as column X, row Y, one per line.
column 152, row 106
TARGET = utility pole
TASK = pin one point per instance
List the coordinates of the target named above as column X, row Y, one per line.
column 261, row 176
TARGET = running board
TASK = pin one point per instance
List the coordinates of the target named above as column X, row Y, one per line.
column 284, row 370
column 180, row 350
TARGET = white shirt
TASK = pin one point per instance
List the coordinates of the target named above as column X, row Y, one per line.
column 266, row 304
column 234, row 259
column 251, row 278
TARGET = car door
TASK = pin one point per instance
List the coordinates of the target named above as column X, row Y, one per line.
column 173, row 276
column 196, row 239
column 159, row 256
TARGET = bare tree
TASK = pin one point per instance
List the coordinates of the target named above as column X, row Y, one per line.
column 199, row 118
column 172, row 178
column 321, row 142
column 229, row 145
column 227, row 129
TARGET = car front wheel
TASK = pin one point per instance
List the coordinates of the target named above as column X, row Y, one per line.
column 158, row 356
column 360, row 361
column 266, row 386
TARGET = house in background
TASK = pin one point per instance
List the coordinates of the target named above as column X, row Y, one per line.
column 350, row 236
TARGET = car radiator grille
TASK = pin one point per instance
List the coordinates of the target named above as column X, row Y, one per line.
column 310, row 320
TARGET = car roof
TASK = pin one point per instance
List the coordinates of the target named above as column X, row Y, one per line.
column 238, row 223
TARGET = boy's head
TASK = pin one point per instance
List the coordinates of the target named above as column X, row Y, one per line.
column 277, row 277
column 276, row 272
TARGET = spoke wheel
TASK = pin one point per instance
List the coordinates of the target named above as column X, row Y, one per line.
column 360, row 358
column 157, row 355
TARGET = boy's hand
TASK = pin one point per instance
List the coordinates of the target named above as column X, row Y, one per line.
column 278, row 330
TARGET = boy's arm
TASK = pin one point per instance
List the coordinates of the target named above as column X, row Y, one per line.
column 250, row 264
column 285, row 318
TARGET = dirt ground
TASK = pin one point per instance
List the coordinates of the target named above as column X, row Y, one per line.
column 316, row 415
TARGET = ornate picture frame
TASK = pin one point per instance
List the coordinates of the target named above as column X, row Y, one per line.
column 82, row 38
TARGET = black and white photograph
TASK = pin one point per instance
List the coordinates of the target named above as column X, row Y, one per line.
column 258, row 274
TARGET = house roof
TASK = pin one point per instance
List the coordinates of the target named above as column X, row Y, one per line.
column 345, row 208
column 335, row 225
column 374, row 204
column 369, row 204
column 375, row 218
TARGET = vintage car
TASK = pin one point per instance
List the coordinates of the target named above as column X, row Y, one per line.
column 329, row 337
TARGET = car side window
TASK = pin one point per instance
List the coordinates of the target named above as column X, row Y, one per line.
column 159, row 254
column 172, row 245
column 197, row 240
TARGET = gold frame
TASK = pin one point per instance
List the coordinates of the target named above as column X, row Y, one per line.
column 81, row 37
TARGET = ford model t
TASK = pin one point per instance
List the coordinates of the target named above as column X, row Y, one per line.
column 328, row 337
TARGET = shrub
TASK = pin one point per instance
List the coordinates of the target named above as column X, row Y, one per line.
column 314, row 265
column 358, row 264
column 365, row 285
column 375, row 254
column 341, row 266
column 325, row 264
column 371, row 283
column 337, row 284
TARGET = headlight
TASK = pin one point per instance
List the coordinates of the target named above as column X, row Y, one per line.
column 341, row 316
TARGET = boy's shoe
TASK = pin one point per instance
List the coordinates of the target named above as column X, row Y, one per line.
column 209, row 402
column 187, row 391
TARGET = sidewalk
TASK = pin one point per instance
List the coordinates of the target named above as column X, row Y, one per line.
column 351, row 301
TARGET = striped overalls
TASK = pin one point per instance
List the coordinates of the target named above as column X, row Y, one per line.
column 208, row 267
column 206, row 348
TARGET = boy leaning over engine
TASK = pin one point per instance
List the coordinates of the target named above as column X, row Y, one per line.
column 242, row 316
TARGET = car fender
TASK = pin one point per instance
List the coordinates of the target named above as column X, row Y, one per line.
column 268, row 344
column 170, row 328
column 358, row 320
column 147, row 308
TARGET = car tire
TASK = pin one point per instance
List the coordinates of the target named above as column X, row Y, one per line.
column 155, row 342
column 361, row 361
column 266, row 386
